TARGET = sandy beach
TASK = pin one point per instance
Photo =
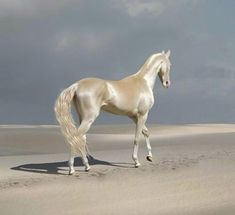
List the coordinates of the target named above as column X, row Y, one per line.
column 193, row 171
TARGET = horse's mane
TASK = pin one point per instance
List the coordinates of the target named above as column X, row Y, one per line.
column 150, row 62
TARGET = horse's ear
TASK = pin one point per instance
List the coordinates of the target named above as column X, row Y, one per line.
column 163, row 52
column 168, row 53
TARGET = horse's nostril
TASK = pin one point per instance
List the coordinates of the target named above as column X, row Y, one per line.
column 167, row 82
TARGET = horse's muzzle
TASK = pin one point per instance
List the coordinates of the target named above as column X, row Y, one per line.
column 166, row 84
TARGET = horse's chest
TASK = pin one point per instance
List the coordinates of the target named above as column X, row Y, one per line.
column 145, row 103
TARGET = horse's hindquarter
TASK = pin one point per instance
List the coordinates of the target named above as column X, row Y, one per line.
column 91, row 92
column 128, row 97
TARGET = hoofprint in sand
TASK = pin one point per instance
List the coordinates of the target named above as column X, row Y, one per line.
column 193, row 171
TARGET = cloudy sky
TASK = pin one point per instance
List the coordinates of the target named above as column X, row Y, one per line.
column 47, row 45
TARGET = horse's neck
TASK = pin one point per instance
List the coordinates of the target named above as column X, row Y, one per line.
column 150, row 80
column 149, row 75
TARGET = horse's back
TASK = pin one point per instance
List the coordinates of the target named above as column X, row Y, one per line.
column 90, row 83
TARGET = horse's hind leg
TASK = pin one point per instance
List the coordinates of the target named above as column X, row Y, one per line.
column 72, row 154
column 87, row 110
column 83, row 129
column 71, row 162
column 84, row 158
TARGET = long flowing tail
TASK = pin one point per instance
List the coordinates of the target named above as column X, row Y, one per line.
column 65, row 119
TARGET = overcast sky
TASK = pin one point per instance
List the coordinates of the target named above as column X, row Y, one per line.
column 47, row 45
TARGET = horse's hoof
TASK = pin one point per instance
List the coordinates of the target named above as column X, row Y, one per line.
column 71, row 172
column 149, row 158
column 137, row 165
column 87, row 169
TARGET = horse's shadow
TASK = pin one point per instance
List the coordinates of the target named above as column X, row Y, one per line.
column 60, row 168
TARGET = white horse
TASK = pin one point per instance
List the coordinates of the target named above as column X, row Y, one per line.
column 131, row 96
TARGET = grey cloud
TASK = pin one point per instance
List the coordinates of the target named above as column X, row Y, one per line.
column 46, row 46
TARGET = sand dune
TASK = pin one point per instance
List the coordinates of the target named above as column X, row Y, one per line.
column 193, row 171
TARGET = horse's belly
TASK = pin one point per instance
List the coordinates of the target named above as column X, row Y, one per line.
column 114, row 109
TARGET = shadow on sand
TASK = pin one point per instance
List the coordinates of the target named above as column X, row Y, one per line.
column 61, row 168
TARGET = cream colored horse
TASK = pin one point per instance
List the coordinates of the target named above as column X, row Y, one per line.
column 131, row 96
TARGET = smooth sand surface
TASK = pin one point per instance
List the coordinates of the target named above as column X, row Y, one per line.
column 193, row 171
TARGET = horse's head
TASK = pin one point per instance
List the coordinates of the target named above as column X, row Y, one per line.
column 164, row 70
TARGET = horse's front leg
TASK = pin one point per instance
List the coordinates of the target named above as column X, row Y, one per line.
column 145, row 132
column 140, row 120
